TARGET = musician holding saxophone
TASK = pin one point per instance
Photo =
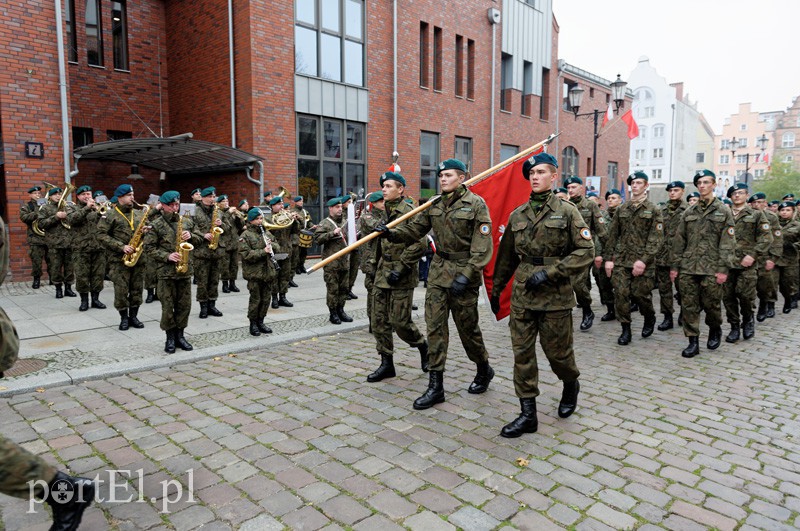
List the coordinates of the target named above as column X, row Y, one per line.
column 257, row 248
column 88, row 256
column 53, row 221
column 169, row 245
column 37, row 247
column 208, row 255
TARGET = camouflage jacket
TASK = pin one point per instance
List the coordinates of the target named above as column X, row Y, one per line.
column 229, row 238
column 556, row 240
column 83, row 220
column 9, row 340
column 400, row 257
column 753, row 235
column 332, row 243
column 28, row 213
column 160, row 242
column 304, row 217
column 705, row 240
column 463, row 236
column 595, row 220
column 670, row 215
column 636, row 233
column 366, row 224
column 115, row 229
column 776, row 249
column 790, row 232
column 55, row 234
column 256, row 262
column 202, row 226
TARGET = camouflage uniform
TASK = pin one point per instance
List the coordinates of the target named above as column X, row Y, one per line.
column 336, row 273
column 704, row 244
column 59, row 243
column 787, row 264
column 114, row 231
column 670, row 214
column 552, row 237
column 594, row 219
column 206, row 261
column 767, row 283
column 89, row 257
column 284, row 239
column 37, row 247
column 753, row 238
column 636, row 233
column 299, row 253
column 258, row 270
column 229, row 266
column 601, row 279
column 463, row 229
column 366, row 224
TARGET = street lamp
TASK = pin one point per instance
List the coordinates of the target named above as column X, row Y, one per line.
column 575, row 99
column 734, row 145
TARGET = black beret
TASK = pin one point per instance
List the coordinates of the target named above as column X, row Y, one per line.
column 613, row 191
column 561, row 190
column 572, row 180
column 638, row 175
column 539, row 158
column 787, row 196
column 693, row 194
column 786, row 204
column 676, row 184
column 736, row 186
column 703, row 173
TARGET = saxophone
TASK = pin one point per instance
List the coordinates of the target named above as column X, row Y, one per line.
column 137, row 241
column 182, row 247
column 216, row 232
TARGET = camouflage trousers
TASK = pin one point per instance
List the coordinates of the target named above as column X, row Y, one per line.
column 90, row 269
column 554, row 330
column 767, row 285
column 629, row 288
column 392, row 311
column 355, row 261
column 207, row 274
column 369, row 283
column 260, row 299
column 18, row 467
column 665, row 290
column 582, row 288
column 296, row 257
column 787, row 280
column 128, row 285
column 604, row 285
column 739, row 295
column 229, row 267
column 439, row 303
column 150, row 273
column 336, row 286
column 175, row 295
column 60, row 266
column 38, row 253
column 281, row 284
column 699, row 292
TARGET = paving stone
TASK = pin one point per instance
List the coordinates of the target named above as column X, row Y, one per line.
column 427, row 521
column 611, row 517
column 473, row 519
column 436, row 500
column 305, row 518
column 392, row 505
column 344, row 509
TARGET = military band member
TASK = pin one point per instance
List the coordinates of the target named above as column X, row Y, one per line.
column 174, row 285
column 703, row 251
column 150, row 277
column 88, row 255
column 59, row 242
column 196, row 195
column 304, row 224
column 115, row 231
column 366, row 224
column 767, row 283
column 460, row 220
column 545, row 243
column 229, row 265
column 37, row 247
column 284, row 240
column 207, row 260
column 330, row 235
column 353, row 257
column 267, row 197
column 257, row 248
column 787, row 264
column 753, row 240
column 670, row 214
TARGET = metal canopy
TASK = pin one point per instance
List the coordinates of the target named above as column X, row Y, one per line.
column 176, row 155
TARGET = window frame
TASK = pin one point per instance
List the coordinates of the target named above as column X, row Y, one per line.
column 123, row 58
column 429, row 171
column 99, row 28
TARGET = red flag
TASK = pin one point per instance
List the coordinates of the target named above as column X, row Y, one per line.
column 633, row 128
column 503, row 191
column 608, row 115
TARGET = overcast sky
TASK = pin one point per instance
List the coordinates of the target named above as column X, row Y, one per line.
column 725, row 53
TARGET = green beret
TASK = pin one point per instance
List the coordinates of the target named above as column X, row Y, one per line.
column 592, row 194
column 196, row 191
column 275, row 201
column 83, row 188
column 253, row 213
column 34, row 189
column 787, row 196
column 756, row 196
column 693, row 194
column 773, row 202
column 222, row 197
column 727, row 201
column 737, row 186
column 452, row 164
column 676, row 184
column 638, row 175
column 572, row 180
column 704, row 173
column 268, row 192
column 297, row 198
column 97, row 193
column 286, row 205
column 123, row 189
column 392, row 176
column 113, row 200
column 613, row 191
column 345, row 198
column 54, row 190
column 333, row 202
column 561, row 190
column 170, row 196
column 243, row 201
column 374, row 197
column 539, row 158
column 205, row 192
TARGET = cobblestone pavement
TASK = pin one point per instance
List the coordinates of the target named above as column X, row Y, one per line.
column 293, row 437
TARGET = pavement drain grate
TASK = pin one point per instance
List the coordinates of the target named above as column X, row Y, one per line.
column 26, row 366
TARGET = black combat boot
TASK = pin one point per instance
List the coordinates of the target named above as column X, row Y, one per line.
column 667, row 323
column 263, row 327
column 232, row 286
column 423, row 354
column 569, row 399
column 203, row 309
column 254, row 331
column 169, row 345
column 212, row 309
column 84, row 302
column 283, row 301
column 351, row 296
column 481, row 382
column 749, row 328
column 275, row 301
column 181, row 341
column 123, row 320
column 293, row 284
column 525, row 423
column 435, row 392
column 68, row 291
column 225, row 287
column 385, row 370
column 787, row 304
column 343, row 316
column 770, row 310
column 334, row 318
column 761, row 314
column 151, row 293
column 610, row 315
column 625, row 336
column 133, row 311
column 59, row 292
column 588, row 318
column 693, row 349
column 96, row 301
column 649, row 324
column 68, row 497
column 36, row 282
column 733, row 335
column 714, row 337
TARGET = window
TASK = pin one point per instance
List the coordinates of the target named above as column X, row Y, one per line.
column 507, row 151
column 424, row 54
column 741, row 159
column 470, row 69
column 788, row 158
column 700, row 158
column 329, row 39
column 463, row 150
column 725, row 144
column 657, row 174
column 118, row 135
column 798, row 121
column 569, row 162
column 459, row 66
column 565, row 88
column 437, row 59
column 94, row 33
column 724, row 159
column 527, row 88
column 658, row 131
column 787, row 140
column 723, row 173
column 759, row 173
column 742, row 142
column 638, row 154
column 506, row 80
column 82, row 136
column 642, row 131
column 612, row 170
column 739, row 173
column 428, row 162
column 72, row 41
column 658, row 153
column 648, row 112
column 119, row 32
column 544, row 101
column 743, row 127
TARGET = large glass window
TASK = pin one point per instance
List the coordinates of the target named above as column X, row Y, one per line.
column 569, row 162
column 507, row 151
column 463, row 150
column 329, row 39
column 428, row 162
column 72, row 41
column 119, row 31
column 94, row 33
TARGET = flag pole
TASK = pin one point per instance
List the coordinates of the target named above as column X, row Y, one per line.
column 474, row 180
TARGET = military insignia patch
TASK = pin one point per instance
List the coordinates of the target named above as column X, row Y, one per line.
column 485, row 229
column 777, row 233
column 765, row 226
column 659, row 226
column 730, row 231
column 586, row 234
column 601, row 220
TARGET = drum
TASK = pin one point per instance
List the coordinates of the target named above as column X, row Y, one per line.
column 305, row 238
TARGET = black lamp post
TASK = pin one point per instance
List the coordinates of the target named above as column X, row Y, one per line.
column 575, row 98
column 762, row 145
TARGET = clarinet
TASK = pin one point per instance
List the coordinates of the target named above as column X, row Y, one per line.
column 268, row 243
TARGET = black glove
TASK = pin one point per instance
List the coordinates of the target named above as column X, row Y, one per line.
column 459, row 285
column 393, row 278
column 536, row 279
column 494, row 303
column 383, row 230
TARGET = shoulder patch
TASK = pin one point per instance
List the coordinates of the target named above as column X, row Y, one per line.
column 485, row 229
column 601, row 219
column 777, row 233
column 765, row 226
column 586, row 234
column 731, row 232
column 659, row 226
